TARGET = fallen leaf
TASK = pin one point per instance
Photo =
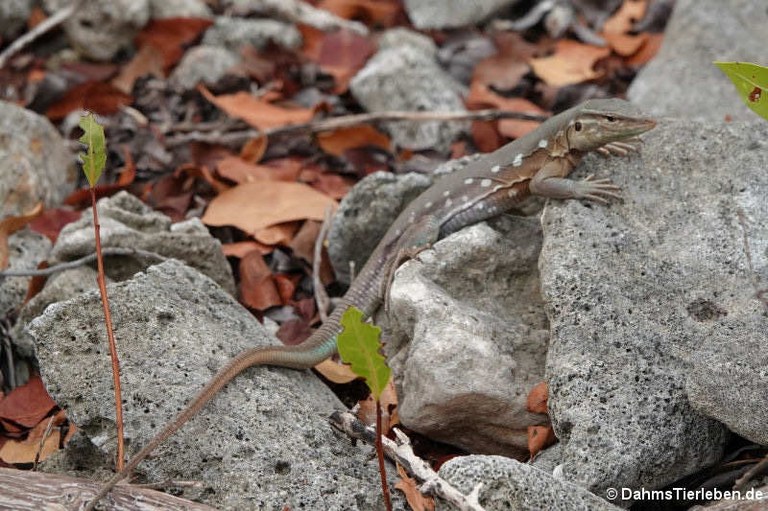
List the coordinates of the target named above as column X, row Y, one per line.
column 486, row 136
column 571, row 63
column 170, row 37
column 25, row 451
column 335, row 372
column 480, row 97
column 537, row 398
column 540, row 437
column 332, row 185
column 253, row 150
column 303, row 246
column 51, row 221
column 98, row 97
column 647, row 51
column 372, row 13
column 294, row 331
column 337, row 142
column 256, row 111
column 147, row 61
column 505, row 69
column 254, row 206
column 12, row 224
column 410, row 488
column 257, row 285
column 286, row 285
column 240, row 249
column 28, row 404
column 237, row 170
column 342, row 54
column 616, row 30
column 280, row 234
column 388, row 400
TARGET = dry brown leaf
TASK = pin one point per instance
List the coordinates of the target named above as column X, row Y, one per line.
column 253, row 150
column 258, row 112
column 98, row 97
column 480, row 96
column 280, row 234
column 504, row 70
column 571, row 63
column 537, row 398
column 11, row 224
column 341, row 54
column 170, row 36
column 237, row 170
column 417, row 500
column 335, row 372
column 147, row 61
column 338, row 141
column 25, row 451
column 370, row 12
column 257, row 285
column 388, row 400
column 254, row 206
column 616, row 29
column 28, row 404
column 647, row 51
column 240, row 249
column 540, row 437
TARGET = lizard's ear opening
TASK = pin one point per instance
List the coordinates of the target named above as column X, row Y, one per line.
column 577, row 126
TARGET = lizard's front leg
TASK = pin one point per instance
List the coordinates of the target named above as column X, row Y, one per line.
column 549, row 182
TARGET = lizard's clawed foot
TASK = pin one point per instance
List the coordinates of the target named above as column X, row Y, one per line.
column 622, row 148
column 601, row 190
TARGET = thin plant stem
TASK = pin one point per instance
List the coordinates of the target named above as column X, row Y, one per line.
column 380, row 456
column 110, row 335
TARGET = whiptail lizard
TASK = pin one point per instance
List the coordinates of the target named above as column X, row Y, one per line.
column 536, row 164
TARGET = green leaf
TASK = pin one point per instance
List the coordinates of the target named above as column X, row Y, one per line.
column 96, row 157
column 751, row 81
column 358, row 345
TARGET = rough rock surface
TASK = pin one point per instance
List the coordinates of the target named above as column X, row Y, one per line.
column 179, row 9
column 262, row 443
column 126, row 222
column 101, row 28
column 365, row 214
column 646, row 297
column 206, row 64
column 469, row 337
column 234, row 33
column 26, row 249
column 35, row 163
column 508, row 484
column 700, row 32
column 404, row 76
column 13, row 16
column 426, row 14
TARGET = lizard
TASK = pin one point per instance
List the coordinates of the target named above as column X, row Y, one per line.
column 536, row 164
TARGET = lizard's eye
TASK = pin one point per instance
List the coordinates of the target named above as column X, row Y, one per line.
column 577, row 126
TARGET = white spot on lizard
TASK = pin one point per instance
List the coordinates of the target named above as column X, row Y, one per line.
column 465, row 198
column 543, row 143
column 496, row 169
column 468, row 181
column 518, row 160
column 446, row 193
column 428, row 205
column 485, row 183
column 448, row 203
column 511, row 192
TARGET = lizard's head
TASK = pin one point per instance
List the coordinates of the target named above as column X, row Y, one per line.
column 602, row 121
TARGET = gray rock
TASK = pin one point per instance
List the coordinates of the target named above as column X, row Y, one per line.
column 126, row 222
column 700, row 32
column 509, row 484
column 234, row 33
column 469, row 337
column 35, row 163
column 13, row 16
column 101, row 28
column 642, row 294
column 406, row 76
column 366, row 213
column 26, row 249
column 262, row 443
column 179, row 9
column 426, row 14
column 206, row 64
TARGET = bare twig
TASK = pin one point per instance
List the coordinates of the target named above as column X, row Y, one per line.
column 402, row 453
column 321, row 297
column 52, row 22
column 750, row 474
column 761, row 294
column 46, row 434
column 297, row 11
column 347, row 121
column 112, row 251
